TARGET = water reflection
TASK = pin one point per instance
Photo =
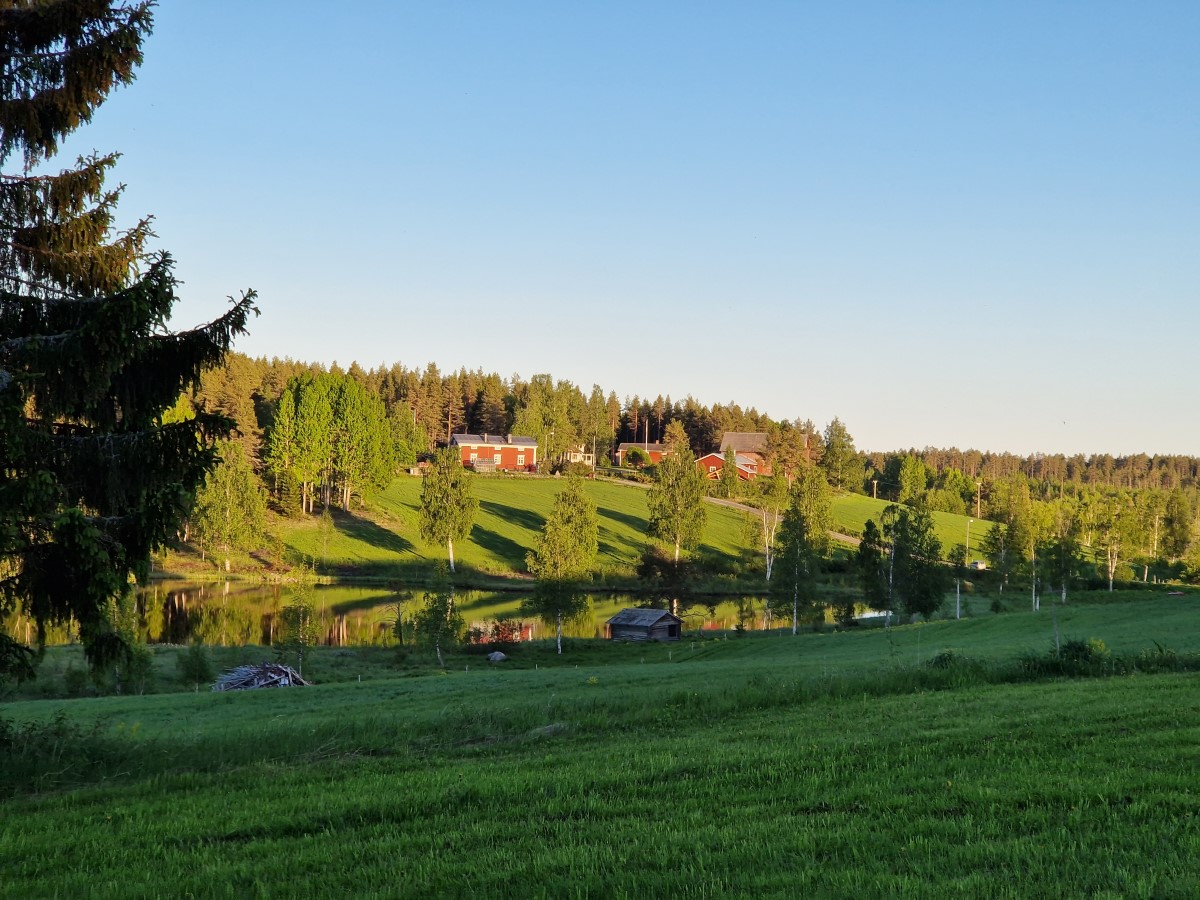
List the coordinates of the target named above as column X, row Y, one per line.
column 237, row 614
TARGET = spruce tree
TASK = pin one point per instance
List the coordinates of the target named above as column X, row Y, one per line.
column 92, row 479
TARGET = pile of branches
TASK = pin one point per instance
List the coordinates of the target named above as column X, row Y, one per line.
column 264, row 675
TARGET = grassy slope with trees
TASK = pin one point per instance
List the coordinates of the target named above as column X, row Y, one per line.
column 382, row 538
column 863, row 761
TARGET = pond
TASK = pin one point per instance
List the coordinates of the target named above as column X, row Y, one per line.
column 238, row 613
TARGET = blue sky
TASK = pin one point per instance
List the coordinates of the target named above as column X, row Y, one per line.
column 945, row 223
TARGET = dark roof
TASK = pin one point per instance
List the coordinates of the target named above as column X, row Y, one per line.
column 644, row 617
column 744, row 441
column 627, row 445
column 494, row 440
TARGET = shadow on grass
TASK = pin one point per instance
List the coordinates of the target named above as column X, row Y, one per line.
column 371, row 533
column 523, row 517
column 503, row 547
column 634, row 522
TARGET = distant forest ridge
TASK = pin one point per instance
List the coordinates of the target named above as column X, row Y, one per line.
column 432, row 405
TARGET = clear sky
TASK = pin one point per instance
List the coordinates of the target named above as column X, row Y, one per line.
column 946, row 223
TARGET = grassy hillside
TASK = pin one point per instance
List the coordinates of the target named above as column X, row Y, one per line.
column 851, row 511
column 843, row 764
column 382, row 539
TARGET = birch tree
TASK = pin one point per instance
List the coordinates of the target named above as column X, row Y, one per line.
column 804, row 541
column 447, row 506
column 563, row 557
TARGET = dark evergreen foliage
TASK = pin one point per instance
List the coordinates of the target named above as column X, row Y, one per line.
column 93, row 480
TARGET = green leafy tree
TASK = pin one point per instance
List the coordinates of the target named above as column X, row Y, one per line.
column 870, row 564
column 447, row 506
column 803, row 543
column 771, row 500
column 676, row 498
column 636, row 458
column 728, row 485
column 314, row 437
column 93, row 479
column 840, row 461
column 1060, row 552
column 279, row 454
column 914, row 478
column 1117, row 530
column 1177, row 525
column 917, row 579
column 230, row 509
column 363, row 451
column 563, row 557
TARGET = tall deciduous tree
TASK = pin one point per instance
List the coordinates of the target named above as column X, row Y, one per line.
column 917, row 578
column 677, row 496
column 563, row 557
column 770, row 501
column 803, row 542
column 93, row 480
column 1177, row 525
column 1060, row 551
column 870, row 563
column 447, row 506
column 230, row 507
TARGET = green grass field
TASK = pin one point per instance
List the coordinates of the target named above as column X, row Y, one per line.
column 837, row 763
column 384, row 539
column 381, row 541
column 851, row 511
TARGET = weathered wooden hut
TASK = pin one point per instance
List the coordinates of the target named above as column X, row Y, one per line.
column 644, row 625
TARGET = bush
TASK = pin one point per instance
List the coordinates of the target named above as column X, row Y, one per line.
column 946, row 659
column 195, row 666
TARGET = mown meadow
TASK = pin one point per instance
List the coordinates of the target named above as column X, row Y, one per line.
column 949, row 757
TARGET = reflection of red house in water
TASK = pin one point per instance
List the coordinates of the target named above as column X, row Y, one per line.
column 712, row 464
column 496, row 452
column 499, row 631
column 655, row 452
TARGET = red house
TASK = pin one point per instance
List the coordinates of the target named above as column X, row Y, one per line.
column 496, row 452
column 752, row 444
column 712, row 464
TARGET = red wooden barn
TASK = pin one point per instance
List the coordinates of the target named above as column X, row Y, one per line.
column 496, row 452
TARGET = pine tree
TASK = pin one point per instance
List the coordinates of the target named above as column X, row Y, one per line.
column 91, row 478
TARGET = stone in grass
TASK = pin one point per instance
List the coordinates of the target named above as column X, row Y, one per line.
column 497, row 656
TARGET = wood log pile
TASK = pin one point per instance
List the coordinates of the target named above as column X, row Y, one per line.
column 263, row 675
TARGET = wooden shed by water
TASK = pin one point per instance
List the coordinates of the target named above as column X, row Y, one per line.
column 644, row 625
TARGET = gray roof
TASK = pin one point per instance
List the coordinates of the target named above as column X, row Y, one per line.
column 644, row 617
column 494, row 440
column 744, row 441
